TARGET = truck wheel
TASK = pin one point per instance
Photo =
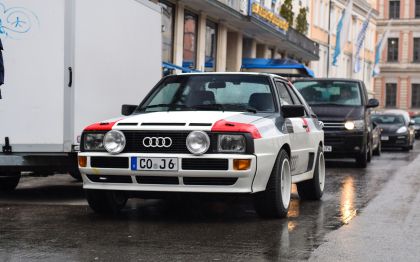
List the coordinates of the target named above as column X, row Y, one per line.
column 9, row 182
column 370, row 153
column 378, row 150
column 362, row 158
column 314, row 188
column 275, row 200
column 76, row 175
column 106, row 201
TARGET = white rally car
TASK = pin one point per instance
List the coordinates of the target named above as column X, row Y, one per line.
column 208, row 133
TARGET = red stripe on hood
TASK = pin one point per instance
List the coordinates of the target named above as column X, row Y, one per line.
column 226, row 126
column 101, row 126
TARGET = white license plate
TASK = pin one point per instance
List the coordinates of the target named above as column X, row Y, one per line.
column 327, row 148
column 384, row 138
column 154, row 163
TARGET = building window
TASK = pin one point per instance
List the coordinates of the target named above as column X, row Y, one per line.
column 416, row 50
column 415, row 95
column 391, row 95
column 392, row 49
column 211, row 46
column 394, row 9
column 167, row 31
column 417, row 12
column 190, row 40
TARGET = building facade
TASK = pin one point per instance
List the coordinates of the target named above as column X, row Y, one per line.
column 324, row 17
column 398, row 84
column 215, row 35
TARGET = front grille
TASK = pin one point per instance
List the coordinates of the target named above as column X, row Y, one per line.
column 210, row 181
column 110, row 179
column 134, row 142
column 109, row 162
column 204, row 164
column 334, row 126
column 157, row 180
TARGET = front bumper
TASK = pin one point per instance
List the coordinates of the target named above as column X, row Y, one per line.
column 344, row 144
column 395, row 140
column 200, row 181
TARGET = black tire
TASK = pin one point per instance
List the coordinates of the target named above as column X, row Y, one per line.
column 406, row 149
column 9, row 183
column 314, row 188
column 106, row 201
column 76, row 175
column 269, row 203
column 362, row 158
column 370, row 154
column 378, row 150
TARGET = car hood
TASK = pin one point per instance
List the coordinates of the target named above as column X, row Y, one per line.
column 183, row 120
column 333, row 113
column 390, row 129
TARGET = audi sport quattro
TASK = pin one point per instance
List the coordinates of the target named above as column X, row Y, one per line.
column 208, row 133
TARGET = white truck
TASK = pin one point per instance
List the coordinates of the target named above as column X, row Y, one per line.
column 69, row 63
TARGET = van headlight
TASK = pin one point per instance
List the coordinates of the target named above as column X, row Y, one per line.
column 231, row 143
column 198, row 142
column 114, row 141
column 93, row 141
column 402, row 130
column 357, row 124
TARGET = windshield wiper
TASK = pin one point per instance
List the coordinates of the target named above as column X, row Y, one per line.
column 208, row 107
column 169, row 106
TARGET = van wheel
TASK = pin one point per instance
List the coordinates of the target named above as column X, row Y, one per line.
column 275, row 200
column 370, row 153
column 314, row 188
column 106, row 201
column 362, row 158
column 9, row 181
column 76, row 175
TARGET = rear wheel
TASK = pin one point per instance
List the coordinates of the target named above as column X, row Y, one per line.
column 9, row 181
column 275, row 200
column 314, row 188
column 106, row 201
column 378, row 150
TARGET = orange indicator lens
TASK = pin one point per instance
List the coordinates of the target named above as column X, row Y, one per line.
column 82, row 161
column 241, row 164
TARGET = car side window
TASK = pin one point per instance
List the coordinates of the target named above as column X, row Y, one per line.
column 285, row 98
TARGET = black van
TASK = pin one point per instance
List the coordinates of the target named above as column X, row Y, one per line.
column 344, row 108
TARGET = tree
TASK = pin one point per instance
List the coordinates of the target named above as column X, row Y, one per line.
column 301, row 22
column 286, row 11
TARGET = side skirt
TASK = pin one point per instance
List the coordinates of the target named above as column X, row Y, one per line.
column 302, row 177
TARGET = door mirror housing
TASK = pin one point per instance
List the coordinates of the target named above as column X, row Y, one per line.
column 373, row 102
column 289, row 111
column 127, row 110
column 412, row 123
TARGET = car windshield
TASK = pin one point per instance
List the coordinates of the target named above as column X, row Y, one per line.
column 330, row 92
column 211, row 92
column 388, row 119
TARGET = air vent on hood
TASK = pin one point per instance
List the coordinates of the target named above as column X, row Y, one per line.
column 163, row 124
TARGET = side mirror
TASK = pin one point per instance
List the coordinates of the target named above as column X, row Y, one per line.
column 293, row 111
column 127, row 110
column 372, row 103
column 412, row 122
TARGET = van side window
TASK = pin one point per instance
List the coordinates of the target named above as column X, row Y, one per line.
column 285, row 98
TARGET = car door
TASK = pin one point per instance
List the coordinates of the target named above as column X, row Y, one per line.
column 298, row 134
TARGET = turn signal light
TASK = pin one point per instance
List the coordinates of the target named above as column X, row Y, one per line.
column 241, row 164
column 82, row 161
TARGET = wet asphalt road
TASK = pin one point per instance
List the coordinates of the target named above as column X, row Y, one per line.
column 47, row 219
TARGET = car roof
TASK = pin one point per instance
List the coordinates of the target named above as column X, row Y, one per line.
column 234, row 73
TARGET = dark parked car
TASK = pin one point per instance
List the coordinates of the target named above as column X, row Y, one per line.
column 416, row 120
column 344, row 108
column 397, row 129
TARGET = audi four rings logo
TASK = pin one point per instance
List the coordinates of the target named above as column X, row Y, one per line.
column 157, row 142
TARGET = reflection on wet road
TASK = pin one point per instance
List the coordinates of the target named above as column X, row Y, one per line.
column 47, row 219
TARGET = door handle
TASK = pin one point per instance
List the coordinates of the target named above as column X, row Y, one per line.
column 305, row 126
column 70, row 77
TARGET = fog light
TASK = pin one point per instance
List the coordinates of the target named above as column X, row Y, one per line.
column 82, row 161
column 241, row 164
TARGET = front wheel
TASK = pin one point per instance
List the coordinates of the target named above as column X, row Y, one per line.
column 275, row 200
column 362, row 158
column 314, row 188
column 106, row 201
column 9, row 182
column 378, row 150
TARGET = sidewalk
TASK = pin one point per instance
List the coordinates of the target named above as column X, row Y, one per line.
column 388, row 229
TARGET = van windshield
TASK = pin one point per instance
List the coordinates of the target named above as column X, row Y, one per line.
column 330, row 92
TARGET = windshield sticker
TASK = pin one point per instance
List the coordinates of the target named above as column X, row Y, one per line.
column 17, row 22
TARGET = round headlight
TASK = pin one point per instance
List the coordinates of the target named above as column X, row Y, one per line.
column 198, row 142
column 114, row 141
column 349, row 125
